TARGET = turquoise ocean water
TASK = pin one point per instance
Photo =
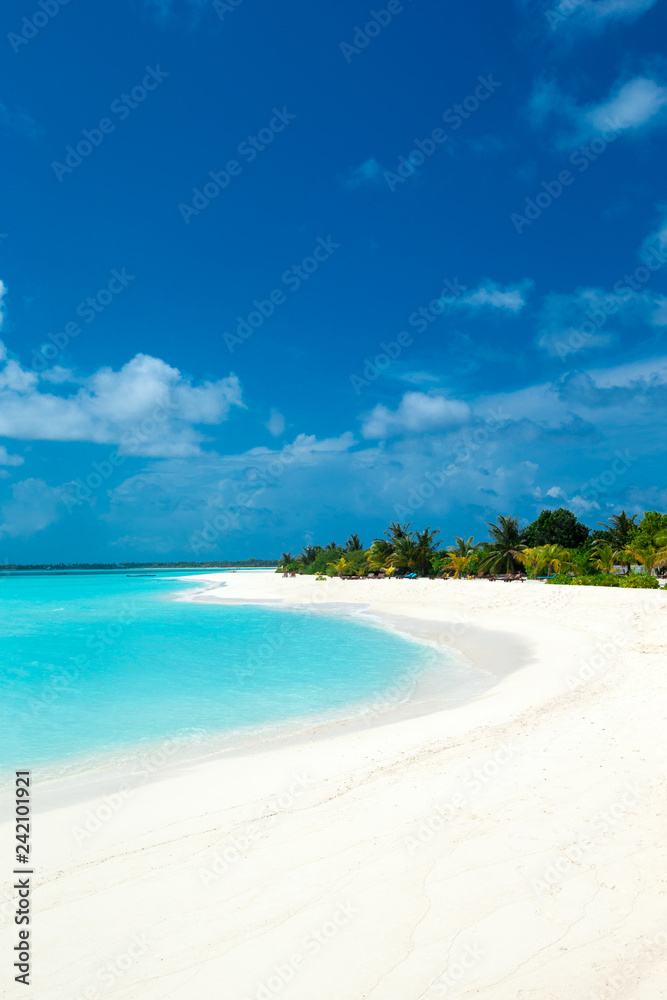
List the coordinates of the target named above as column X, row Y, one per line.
column 101, row 664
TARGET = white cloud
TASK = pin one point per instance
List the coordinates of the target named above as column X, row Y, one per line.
column 597, row 14
column 632, row 106
column 561, row 318
column 7, row 459
column 33, row 507
column 12, row 376
column 491, row 295
column 588, row 318
column 569, row 20
column 20, row 121
column 416, row 412
column 576, row 503
column 652, row 370
column 275, row 424
column 657, row 240
column 146, row 408
column 306, row 447
column 162, row 8
column 617, row 404
column 483, row 145
column 617, row 8
column 167, row 11
column 3, row 292
column 659, row 315
column 217, row 497
column 515, row 453
column 58, row 375
column 368, row 172
column 548, row 100
column 418, row 378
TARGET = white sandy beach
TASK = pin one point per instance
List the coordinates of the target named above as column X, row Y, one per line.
column 510, row 848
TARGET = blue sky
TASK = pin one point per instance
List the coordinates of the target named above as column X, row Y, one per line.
column 273, row 274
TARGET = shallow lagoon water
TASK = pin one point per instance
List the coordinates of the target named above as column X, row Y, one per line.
column 102, row 663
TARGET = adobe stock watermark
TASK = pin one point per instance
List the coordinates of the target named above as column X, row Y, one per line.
column 222, row 7
column 603, row 657
column 454, row 116
column 419, row 320
column 400, row 690
column 581, row 157
column 283, row 972
column 249, row 149
column 559, row 15
column 122, row 107
column 95, row 643
column 472, row 783
column 594, row 488
column 112, row 972
column 264, row 650
column 234, row 848
column 623, row 978
column 575, row 854
column 378, row 21
column 31, row 26
column 228, row 517
column 132, row 441
column 626, row 288
column 98, row 816
column 471, row 440
column 606, row 652
column 451, row 979
column 95, row 818
column 292, row 279
column 88, row 310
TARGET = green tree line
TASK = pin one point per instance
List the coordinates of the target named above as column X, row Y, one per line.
column 555, row 545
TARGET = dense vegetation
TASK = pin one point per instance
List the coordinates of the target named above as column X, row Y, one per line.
column 625, row 551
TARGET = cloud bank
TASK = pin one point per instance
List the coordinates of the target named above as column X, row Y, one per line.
column 145, row 408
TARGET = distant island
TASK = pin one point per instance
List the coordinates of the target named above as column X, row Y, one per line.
column 239, row 564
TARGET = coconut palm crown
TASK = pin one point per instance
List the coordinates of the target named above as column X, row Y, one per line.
column 503, row 552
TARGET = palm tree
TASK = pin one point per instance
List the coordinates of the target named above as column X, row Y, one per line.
column 379, row 554
column 555, row 558
column 532, row 559
column 620, row 529
column 504, row 549
column 464, row 546
column 330, row 546
column 649, row 557
column 353, row 544
column 425, row 546
column 605, row 556
column 397, row 530
column 340, row 567
column 309, row 553
column 286, row 560
column 458, row 562
column 405, row 553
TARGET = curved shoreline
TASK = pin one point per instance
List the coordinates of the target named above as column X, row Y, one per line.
column 422, row 690
column 496, row 646
column 516, row 837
